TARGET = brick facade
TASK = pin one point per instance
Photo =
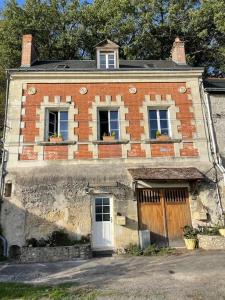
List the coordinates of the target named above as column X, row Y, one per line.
column 107, row 95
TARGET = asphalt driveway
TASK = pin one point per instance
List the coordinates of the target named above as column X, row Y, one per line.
column 194, row 275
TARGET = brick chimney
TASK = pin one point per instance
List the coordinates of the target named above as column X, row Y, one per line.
column 178, row 52
column 28, row 52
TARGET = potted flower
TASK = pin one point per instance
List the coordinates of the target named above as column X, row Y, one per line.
column 161, row 137
column 109, row 137
column 56, row 138
column 190, row 237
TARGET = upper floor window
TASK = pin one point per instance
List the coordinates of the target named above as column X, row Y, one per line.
column 107, row 60
column 57, row 124
column 158, row 122
column 108, row 123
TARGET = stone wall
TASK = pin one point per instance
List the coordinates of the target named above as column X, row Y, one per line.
column 217, row 102
column 60, row 197
column 50, row 254
column 211, row 242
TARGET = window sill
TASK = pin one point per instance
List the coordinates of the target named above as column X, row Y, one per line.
column 113, row 142
column 45, row 143
column 170, row 141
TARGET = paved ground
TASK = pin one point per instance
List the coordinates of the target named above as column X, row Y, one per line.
column 194, row 275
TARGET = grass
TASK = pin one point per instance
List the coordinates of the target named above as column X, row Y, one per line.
column 9, row 291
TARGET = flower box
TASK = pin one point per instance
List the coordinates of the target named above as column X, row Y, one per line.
column 163, row 137
column 56, row 139
column 108, row 138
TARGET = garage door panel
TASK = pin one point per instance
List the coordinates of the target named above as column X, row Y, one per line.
column 150, row 213
column 164, row 212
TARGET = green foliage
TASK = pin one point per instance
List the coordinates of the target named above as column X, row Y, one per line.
column 143, row 29
column 56, row 238
column 155, row 250
column 151, row 250
column 55, row 292
column 189, row 232
column 134, row 249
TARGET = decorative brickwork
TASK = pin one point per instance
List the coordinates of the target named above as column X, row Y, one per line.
column 83, row 120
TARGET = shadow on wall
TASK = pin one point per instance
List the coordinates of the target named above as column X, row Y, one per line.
column 42, row 203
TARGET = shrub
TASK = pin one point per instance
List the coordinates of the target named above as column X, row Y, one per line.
column 151, row 250
column 209, row 230
column 32, row 242
column 166, row 251
column 189, row 232
column 59, row 238
column 134, row 249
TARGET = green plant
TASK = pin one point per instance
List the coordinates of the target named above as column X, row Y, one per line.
column 59, row 238
column 189, row 232
column 206, row 230
column 155, row 250
column 151, row 250
column 32, row 242
column 134, row 249
column 56, row 135
column 113, row 133
column 158, row 133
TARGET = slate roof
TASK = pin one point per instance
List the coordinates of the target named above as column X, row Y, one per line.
column 214, row 84
column 166, row 174
column 90, row 65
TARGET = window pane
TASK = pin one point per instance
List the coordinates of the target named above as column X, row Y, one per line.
column 105, row 201
column 98, row 201
column 98, row 218
column 103, row 123
column 153, row 124
column 103, row 66
column 63, row 125
column 153, row 134
column 53, row 123
column 111, row 67
column 106, row 217
column 113, row 115
column 98, row 209
column 64, row 135
column 163, row 114
column 102, row 58
column 64, row 116
column 114, row 125
column 165, row 131
column 164, row 124
column 152, row 114
column 111, row 57
column 105, row 209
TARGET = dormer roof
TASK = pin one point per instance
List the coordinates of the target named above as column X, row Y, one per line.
column 107, row 44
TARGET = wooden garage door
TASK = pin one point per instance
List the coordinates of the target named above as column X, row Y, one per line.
column 164, row 212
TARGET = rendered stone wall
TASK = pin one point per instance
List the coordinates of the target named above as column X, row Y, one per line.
column 50, row 254
column 217, row 102
column 60, row 197
column 214, row 242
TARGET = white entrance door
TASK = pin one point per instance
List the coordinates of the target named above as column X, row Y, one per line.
column 102, row 223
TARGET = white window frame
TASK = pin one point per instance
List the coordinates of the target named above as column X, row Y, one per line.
column 48, row 110
column 108, row 110
column 107, row 59
column 158, row 120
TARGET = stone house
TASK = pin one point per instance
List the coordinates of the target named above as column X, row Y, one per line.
column 130, row 154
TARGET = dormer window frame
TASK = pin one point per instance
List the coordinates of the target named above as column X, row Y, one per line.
column 107, row 47
column 107, row 59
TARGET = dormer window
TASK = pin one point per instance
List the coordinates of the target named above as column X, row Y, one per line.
column 107, row 55
column 107, row 60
